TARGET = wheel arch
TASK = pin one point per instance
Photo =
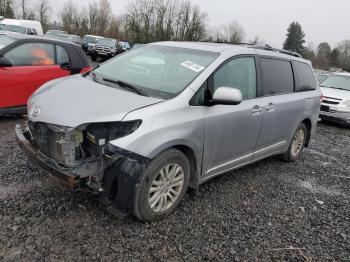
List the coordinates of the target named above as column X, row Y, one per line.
column 191, row 153
column 307, row 122
column 194, row 172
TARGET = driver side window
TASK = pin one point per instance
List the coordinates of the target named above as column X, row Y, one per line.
column 238, row 73
column 32, row 54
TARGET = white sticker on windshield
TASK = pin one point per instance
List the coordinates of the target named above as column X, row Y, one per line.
column 193, row 66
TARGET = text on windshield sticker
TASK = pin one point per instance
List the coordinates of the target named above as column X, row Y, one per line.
column 193, row 66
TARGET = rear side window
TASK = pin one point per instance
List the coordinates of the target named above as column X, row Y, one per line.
column 62, row 56
column 277, row 76
column 306, row 77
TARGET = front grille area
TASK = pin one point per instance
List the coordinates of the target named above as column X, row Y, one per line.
column 54, row 143
column 103, row 49
column 39, row 132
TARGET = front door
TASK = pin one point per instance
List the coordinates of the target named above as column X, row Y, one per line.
column 231, row 131
column 33, row 65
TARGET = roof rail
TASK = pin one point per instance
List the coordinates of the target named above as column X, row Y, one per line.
column 282, row 51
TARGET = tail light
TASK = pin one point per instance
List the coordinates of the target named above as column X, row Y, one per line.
column 321, row 97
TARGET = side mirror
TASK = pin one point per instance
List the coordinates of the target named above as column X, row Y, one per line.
column 5, row 62
column 66, row 66
column 227, row 96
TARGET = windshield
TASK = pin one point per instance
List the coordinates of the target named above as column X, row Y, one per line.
column 64, row 38
column 321, row 77
column 13, row 28
column 157, row 71
column 55, row 32
column 337, row 82
column 106, row 42
column 5, row 41
column 90, row 39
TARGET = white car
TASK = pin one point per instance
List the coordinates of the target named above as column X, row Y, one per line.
column 27, row 27
column 336, row 103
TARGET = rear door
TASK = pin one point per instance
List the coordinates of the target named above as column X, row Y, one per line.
column 33, row 65
column 281, row 106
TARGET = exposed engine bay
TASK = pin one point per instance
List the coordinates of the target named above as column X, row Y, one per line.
column 81, row 151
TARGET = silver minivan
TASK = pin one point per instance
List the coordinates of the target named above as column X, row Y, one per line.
column 142, row 128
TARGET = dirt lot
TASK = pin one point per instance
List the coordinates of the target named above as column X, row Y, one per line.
column 268, row 211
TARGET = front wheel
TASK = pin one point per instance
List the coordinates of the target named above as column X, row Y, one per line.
column 163, row 186
column 94, row 58
column 297, row 144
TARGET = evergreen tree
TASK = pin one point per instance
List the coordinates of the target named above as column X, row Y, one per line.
column 295, row 38
column 324, row 50
column 323, row 57
column 308, row 54
column 334, row 58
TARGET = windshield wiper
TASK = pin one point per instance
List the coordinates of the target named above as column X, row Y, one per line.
column 339, row 88
column 125, row 85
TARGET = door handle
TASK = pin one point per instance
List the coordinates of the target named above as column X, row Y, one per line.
column 270, row 108
column 257, row 110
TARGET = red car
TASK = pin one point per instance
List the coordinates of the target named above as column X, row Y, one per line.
column 27, row 62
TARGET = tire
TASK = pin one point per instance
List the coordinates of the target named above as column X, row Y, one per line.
column 175, row 160
column 296, row 147
column 94, row 58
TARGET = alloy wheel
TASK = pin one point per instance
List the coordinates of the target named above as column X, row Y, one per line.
column 298, row 142
column 166, row 187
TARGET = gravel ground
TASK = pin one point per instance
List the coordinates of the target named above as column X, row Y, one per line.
column 270, row 210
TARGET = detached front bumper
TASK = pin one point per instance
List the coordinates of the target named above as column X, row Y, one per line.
column 71, row 181
column 121, row 178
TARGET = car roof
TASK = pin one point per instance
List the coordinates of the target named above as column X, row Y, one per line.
column 104, row 38
column 203, row 46
column 225, row 47
column 46, row 39
column 94, row 36
column 19, row 22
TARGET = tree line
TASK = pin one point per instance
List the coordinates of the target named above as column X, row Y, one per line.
column 145, row 21
column 323, row 57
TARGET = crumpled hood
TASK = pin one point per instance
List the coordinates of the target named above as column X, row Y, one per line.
column 76, row 100
column 335, row 93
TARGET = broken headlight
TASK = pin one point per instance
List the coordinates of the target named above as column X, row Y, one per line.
column 99, row 134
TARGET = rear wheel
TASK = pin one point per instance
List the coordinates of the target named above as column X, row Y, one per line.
column 297, row 144
column 163, row 186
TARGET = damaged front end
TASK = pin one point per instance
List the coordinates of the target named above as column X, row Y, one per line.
column 83, row 159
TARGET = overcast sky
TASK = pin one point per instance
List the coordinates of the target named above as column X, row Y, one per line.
column 322, row 20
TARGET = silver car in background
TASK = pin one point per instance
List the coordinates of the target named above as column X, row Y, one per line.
column 147, row 125
column 336, row 103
